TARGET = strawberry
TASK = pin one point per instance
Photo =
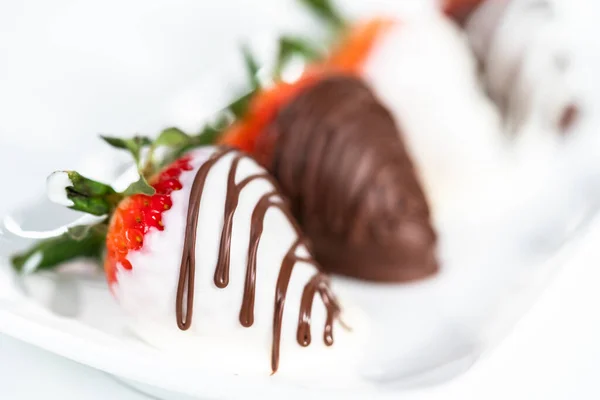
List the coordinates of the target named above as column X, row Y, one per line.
column 153, row 231
column 159, row 237
column 137, row 215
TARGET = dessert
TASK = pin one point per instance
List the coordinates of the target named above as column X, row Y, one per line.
column 337, row 155
column 225, row 238
column 379, row 105
column 209, row 249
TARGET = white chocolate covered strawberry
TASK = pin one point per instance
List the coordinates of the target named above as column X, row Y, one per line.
column 214, row 258
column 207, row 262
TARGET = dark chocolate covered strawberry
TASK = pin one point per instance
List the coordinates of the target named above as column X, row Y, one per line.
column 340, row 157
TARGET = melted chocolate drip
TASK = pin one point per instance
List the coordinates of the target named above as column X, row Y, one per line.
column 568, row 118
column 324, row 291
column 185, row 289
column 460, row 10
column 340, row 159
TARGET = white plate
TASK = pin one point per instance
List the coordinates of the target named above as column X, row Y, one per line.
column 425, row 333
column 73, row 314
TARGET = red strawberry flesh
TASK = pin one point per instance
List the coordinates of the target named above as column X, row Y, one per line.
column 138, row 215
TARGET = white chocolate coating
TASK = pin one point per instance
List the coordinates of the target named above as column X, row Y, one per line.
column 424, row 72
column 148, row 292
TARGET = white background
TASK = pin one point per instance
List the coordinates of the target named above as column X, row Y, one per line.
column 70, row 69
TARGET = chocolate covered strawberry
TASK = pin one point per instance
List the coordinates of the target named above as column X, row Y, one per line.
column 205, row 257
column 386, row 126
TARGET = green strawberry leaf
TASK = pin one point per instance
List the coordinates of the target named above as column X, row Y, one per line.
column 83, row 194
column 141, row 186
column 133, row 145
column 127, row 144
column 209, row 135
column 325, row 10
column 251, row 67
column 289, row 45
column 91, row 205
column 239, row 106
column 50, row 253
column 88, row 187
column 172, row 137
column 293, row 46
column 211, row 132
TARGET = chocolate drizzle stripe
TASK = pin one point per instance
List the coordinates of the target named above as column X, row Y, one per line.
column 233, row 195
column 319, row 283
column 283, row 281
column 185, row 288
column 256, row 229
column 187, row 269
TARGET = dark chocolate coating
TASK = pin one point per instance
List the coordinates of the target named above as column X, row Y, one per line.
column 339, row 158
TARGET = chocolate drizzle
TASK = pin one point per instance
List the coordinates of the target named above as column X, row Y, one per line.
column 185, row 289
column 319, row 284
column 460, row 10
column 340, row 159
column 568, row 118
